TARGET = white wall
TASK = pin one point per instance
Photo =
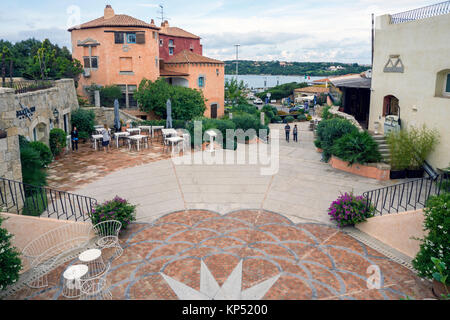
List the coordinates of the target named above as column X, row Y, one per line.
column 424, row 48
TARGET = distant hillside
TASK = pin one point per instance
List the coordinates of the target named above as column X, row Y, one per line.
column 293, row 68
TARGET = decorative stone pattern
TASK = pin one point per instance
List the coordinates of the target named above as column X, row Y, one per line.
column 251, row 254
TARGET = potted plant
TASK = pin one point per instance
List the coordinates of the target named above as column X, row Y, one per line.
column 421, row 142
column 399, row 154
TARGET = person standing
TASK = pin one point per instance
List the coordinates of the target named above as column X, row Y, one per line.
column 287, row 129
column 74, row 138
column 106, row 138
column 295, row 133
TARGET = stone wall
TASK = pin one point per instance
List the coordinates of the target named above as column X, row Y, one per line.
column 106, row 115
column 61, row 97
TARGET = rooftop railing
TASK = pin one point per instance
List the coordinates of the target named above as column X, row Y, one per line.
column 421, row 13
column 28, row 86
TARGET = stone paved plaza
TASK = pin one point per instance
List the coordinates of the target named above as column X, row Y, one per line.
column 247, row 254
column 228, row 232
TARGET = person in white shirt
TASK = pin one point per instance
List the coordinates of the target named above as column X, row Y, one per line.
column 106, row 138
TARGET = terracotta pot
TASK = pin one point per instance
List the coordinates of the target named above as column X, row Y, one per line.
column 3, row 134
column 439, row 289
column 319, row 150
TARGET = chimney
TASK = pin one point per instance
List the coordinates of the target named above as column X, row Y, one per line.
column 165, row 24
column 152, row 22
column 109, row 12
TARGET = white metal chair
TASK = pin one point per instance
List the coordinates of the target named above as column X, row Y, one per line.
column 107, row 233
column 96, row 288
column 54, row 247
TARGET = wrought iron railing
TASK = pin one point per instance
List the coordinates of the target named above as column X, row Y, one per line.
column 407, row 196
column 20, row 198
column 421, row 13
column 28, row 86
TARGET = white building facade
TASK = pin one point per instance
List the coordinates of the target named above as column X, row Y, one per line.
column 411, row 74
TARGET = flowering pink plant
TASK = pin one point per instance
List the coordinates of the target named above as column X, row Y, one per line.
column 117, row 209
column 349, row 209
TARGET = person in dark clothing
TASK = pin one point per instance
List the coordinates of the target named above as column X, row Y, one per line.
column 295, row 133
column 287, row 129
column 74, row 138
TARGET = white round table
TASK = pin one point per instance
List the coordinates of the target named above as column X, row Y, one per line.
column 93, row 259
column 72, row 280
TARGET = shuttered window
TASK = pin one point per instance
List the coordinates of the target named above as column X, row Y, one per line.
column 118, row 37
column 140, row 38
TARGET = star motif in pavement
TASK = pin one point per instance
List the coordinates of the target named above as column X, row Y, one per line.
column 230, row 290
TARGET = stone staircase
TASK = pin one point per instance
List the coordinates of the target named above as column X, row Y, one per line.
column 383, row 147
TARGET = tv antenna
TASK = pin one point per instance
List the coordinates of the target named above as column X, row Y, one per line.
column 161, row 12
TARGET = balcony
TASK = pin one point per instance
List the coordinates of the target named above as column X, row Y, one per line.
column 421, row 13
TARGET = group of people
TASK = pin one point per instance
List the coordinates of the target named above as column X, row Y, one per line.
column 105, row 143
column 287, row 129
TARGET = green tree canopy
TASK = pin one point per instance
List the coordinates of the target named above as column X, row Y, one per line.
column 33, row 59
column 186, row 103
column 235, row 92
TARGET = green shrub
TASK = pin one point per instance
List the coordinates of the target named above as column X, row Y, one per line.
column 398, row 143
column 246, row 121
column 437, row 243
column 276, row 119
column 84, row 120
column 289, row 119
column 32, row 170
column 117, row 209
column 318, row 144
column 357, row 147
column 36, row 202
column 10, row 263
column 82, row 101
column 83, row 135
column 326, row 114
column 349, row 210
column 57, row 141
column 108, row 94
column 421, row 142
column 45, row 154
column 328, row 131
column 301, row 117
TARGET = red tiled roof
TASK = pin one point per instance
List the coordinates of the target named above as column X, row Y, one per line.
column 170, row 73
column 313, row 90
column 119, row 20
column 177, row 32
column 186, row 56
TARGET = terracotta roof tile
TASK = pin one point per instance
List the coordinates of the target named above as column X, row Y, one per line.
column 186, row 56
column 177, row 32
column 170, row 73
column 119, row 20
column 313, row 90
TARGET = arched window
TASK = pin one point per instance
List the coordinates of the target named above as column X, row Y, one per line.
column 390, row 106
column 443, row 84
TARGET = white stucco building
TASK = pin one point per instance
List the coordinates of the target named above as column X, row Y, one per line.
column 411, row 73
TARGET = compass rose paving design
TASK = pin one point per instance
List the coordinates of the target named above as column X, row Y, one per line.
column 251, row 254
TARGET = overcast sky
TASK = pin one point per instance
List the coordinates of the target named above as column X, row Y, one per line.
column 285, row 30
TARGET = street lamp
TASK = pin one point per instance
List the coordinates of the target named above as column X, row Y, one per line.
column 56, row 115
column 237, row 60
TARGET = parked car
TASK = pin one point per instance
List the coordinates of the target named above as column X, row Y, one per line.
column 296, row 108
column 258, row 101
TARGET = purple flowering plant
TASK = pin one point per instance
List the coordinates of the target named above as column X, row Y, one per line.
column 348, row 210
column 116, row 209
